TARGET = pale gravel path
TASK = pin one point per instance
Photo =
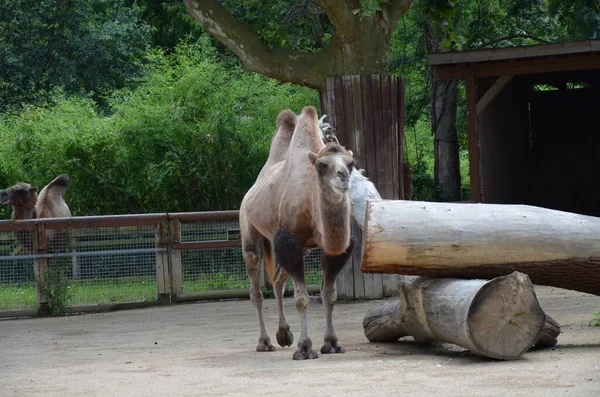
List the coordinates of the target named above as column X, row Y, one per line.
column 208, row 349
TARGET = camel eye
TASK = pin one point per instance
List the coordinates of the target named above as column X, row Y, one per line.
column 322, row 167
column 351, row 165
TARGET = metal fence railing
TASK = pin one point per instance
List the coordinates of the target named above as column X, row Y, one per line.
column 106, row 261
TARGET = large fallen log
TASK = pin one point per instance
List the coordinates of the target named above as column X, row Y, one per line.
column 554, row 248
column 500, row 318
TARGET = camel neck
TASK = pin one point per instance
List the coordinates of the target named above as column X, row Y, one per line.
column 24, row 212
column 334, row 222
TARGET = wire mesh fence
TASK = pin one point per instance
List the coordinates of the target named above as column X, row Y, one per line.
column 17, row 279
column 112, row 265
column 111, row 260
column 217, row 269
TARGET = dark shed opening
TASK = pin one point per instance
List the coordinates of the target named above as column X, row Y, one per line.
column 534, row 134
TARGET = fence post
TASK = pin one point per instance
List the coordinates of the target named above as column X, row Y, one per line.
column 162, row 262
column 175, row 258
column 72, row 240
column 40, row 267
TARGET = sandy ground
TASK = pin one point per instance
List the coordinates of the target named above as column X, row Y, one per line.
column 208, row 349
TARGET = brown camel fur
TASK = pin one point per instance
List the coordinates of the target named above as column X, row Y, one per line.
column 299, row 200
column 27, row 204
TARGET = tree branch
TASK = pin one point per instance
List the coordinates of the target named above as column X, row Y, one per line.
column 395, row 9
column 256, row 54
column 515, row 36
column 340, row 14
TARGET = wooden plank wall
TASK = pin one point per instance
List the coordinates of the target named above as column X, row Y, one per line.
column 367, row 113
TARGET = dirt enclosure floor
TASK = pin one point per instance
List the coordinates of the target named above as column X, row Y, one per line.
column 207, row 349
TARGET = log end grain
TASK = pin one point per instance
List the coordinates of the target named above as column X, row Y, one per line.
column 505, row 318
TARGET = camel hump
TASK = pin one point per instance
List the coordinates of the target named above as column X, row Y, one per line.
column 59, row 184
column 288, row 118
column 309, row 111
column 62, row 180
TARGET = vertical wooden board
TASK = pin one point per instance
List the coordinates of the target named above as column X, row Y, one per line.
column 396, row 164
column 378, row 133
column 359, row 283
column 340, row 285
column 323, row 102
column 162, row 261
column 370, row 164
column 348, row 140
column 40, row 267
column 175, row 263
column 401, row 138
column 357, row 107
column 390, row 284
column 340, row 119
column 377, row 286
column 345, row 282
column 330, row 102
column 368, row 281
column 473, row 137
column 386, row 132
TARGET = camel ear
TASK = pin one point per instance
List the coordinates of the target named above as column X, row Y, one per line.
column 350, row 153
column 33, row 189
column 312, row 157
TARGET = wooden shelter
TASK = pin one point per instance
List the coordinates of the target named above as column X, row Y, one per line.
column 533, row 130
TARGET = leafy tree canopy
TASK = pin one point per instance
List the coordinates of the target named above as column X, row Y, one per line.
column 79, row 45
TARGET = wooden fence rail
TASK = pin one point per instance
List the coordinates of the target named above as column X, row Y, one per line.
column 154, row 234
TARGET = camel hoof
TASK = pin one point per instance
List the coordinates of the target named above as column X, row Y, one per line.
column 285, row 337
column 332, row 349
column 265, row 348
column 302, row 354
column 264, row 345
column 305, row 351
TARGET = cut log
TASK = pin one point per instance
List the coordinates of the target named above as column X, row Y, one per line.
column 550, row 332
column 362, row 190
column 458, row 240
column 500, row 318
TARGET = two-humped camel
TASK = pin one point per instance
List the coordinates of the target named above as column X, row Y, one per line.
column 27, row 204
column 299, row 200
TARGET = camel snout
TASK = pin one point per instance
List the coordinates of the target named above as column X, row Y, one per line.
column 341, row 184
column 4, row 197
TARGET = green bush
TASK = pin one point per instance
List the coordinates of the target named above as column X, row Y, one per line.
column 191, row 136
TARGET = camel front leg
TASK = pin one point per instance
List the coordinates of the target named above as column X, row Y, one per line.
column 332, row 265
column 290, row 256
column 285, row 337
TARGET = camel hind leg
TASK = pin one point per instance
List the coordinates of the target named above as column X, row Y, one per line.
column 332, row 265
column 285, row 337
column 252, row 251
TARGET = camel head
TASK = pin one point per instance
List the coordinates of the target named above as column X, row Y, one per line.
column 20, row 195
column 334, row 164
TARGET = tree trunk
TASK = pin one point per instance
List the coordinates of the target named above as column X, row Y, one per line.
column 367, row 116
column 482, row 241
column 500, row 318
column 443, row 126
column 443, row 120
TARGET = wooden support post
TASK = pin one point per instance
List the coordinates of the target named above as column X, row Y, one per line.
column 162, row 262
column 482, row 241
column 500, row 318
column 473, row 136
column 175, row 268
column 75, row 263
column 40, row 268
